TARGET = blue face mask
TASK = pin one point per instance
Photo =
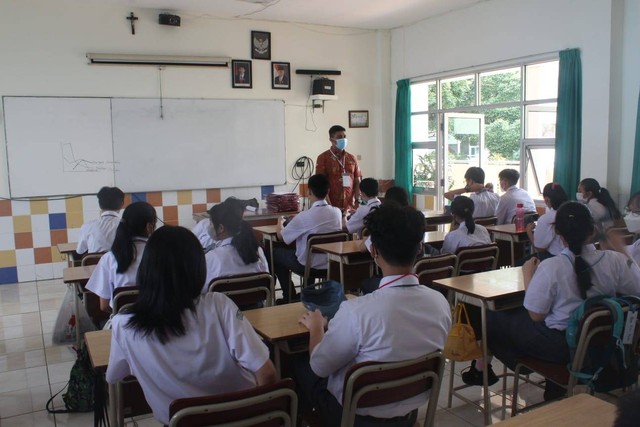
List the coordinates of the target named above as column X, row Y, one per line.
column 341, row 143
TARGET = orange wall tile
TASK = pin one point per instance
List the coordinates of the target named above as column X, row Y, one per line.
column 5, row 207
column 23, row 240
column 213, row 195
column 42, row 255
column 199, row 208
column 154, row 198
column 58, row 236
column 170, row 213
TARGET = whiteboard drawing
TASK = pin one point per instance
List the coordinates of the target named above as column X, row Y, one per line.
column 71, row 164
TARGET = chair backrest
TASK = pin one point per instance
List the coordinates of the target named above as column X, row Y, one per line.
column 474, row 259
column 123, row 297
column 91, row 258
column 486, row 220
column 270, row 405
column 317, row 239
column 622, row 233
column 245, row 289
column 529, row 216
column 373, row 384
column 430, row 268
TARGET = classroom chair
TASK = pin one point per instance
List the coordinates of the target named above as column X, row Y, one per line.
column 475, row 259
column 486, row 220
column 270, row 405
column 124, row 297
column 311, row 274
column 91, row 300
column 430, row 268
column 596, row 327
column 246, row 290
column 373, row 383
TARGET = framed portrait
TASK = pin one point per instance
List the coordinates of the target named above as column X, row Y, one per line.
column 358, row 118
column 260, row 45
column 280, row 75
column 241, row 74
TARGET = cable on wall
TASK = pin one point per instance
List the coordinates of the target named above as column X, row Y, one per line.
column 302, row 170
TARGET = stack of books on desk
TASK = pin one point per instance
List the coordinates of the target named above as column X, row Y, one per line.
column 283, row 202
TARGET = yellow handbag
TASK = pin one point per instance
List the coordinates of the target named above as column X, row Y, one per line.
column 461, row 342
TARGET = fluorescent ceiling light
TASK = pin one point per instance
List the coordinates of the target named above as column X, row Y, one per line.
column 174, row 60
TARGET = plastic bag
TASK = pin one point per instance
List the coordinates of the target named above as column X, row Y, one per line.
column 64, row 330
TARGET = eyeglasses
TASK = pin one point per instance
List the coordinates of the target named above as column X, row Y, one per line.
column 628, row 210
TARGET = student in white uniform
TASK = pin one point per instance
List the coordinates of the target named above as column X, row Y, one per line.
column 320, row 218
column 177, row 342
column 118, row 267
column 98, row 235
column 369, row 194
column 201, row 231
column 513, row 195
column 401, row 320
column 600, row 203
column 485, row 201
column 543, row 234
column 465, row 232
column 235, row 249
column 554, row 288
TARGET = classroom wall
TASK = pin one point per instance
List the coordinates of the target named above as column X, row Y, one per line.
column 500, row 30
column 43, row 45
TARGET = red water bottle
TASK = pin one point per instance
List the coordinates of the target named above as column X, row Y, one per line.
column 520, row 217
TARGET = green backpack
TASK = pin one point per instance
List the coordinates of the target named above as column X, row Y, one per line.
column 80, row 388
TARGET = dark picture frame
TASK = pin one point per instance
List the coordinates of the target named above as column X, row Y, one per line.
column 260, row 45
column 281, row 75
column 241, row 75
column 358, row 118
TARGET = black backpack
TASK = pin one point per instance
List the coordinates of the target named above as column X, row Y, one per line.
column 611, row 364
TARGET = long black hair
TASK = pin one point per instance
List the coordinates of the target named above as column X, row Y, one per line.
column 243, row 239
column 396, row 194
column 575, row 224
column 170, row 277
column 135, row 219
column 602, row 196
column 556, row 194
column 463, row 207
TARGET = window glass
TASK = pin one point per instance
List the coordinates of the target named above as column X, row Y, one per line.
column 539, row 169
column 541, row 120
column 424, row 168
column 542, row 81
column 459, row 92
column 423, row 96
column 423, row 127
column 500, row 86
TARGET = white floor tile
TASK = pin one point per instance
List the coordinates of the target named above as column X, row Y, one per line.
column 39, row 419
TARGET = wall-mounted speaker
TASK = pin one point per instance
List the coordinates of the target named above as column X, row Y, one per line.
column 319, row 72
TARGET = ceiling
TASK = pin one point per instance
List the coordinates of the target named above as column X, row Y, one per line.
column 368, row 14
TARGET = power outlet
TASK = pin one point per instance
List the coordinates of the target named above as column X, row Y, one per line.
column 300, row 163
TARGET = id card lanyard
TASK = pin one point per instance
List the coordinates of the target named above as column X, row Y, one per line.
column 346, row 178
column 399, row 278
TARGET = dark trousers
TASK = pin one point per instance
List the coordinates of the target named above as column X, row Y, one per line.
column 284, row 261
column 512, row 334
column 313, row 393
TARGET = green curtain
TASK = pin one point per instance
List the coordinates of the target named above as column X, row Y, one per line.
column 635, row 178
column 403, row 155
column 566, row 171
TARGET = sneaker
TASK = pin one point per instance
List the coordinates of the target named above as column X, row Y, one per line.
column 553, row 391
column 474, row 377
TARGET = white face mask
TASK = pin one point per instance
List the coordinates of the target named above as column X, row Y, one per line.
column 580, row 198
column 632, row 221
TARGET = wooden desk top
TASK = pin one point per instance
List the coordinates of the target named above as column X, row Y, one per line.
column 267, row 229
column 581, row 410
column 99, row 345
column 77, row 274
column 351, row 247
column 66, row 248
column 261, row 213
column 434, row 236
column 504, row 228
column 488, row 285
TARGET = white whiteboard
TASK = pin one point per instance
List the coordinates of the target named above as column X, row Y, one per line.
column 60, row 146
column 198, row 143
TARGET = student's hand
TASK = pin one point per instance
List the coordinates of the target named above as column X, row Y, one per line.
column 475, row 187
column 528, row 270
column 314, row 320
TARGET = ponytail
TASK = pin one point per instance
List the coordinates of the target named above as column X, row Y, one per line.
column 246, row 244
column 463, row 207
column 604, row 197
column 133, row 224
column 575, row 224
column 243, row 239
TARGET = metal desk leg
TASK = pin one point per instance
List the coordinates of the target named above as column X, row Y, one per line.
column 342, row 270
column 76, row 300
column 113, row 405
column 485, row 375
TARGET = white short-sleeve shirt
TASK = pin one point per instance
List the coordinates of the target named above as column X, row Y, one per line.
column 98, row 235
column 554, row 287
column 219, row 354
column 224, row 260
column 633, row 250
column 506, row 208
column 460, row 238
column 104, row 278
column 356, row 222
column 485, row 203
column 201, row 230
column 320, row 218
column 544, row 236
column 401, row 320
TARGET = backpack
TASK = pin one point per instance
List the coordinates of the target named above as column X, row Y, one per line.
column 611, row 364
column 80, row 388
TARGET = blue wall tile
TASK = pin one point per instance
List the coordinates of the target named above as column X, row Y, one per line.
column 265, row 190
column 138, row 197
column 57, row 221
column 8, row 275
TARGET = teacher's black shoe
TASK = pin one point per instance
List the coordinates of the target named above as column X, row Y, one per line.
column 474, row 377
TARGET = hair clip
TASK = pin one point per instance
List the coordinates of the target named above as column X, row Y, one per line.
column 572, row 216
column 554, row 185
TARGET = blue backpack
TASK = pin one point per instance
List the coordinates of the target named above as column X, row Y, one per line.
column 609, row 364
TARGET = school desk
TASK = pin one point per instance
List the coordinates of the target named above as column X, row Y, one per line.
column 494, row 290
column 436, row 218
column 69, row 250
column 260, row 217
column 581, row 410
column 346, row 254
column 508, row 233
column 77, row 278
column 269, row 241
